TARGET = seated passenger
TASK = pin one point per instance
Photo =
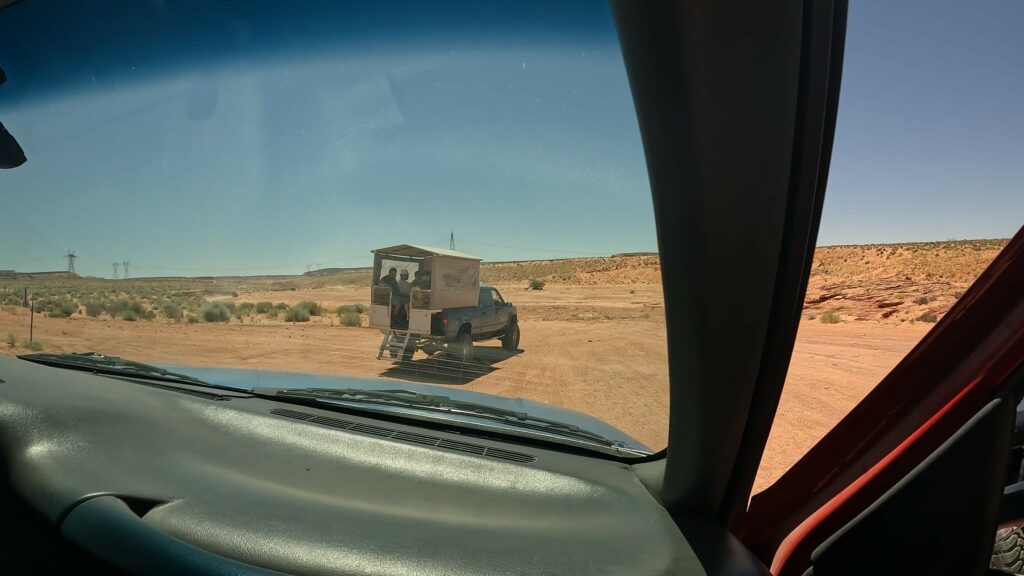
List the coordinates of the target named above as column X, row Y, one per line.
column 424, row 281
column 419, row 281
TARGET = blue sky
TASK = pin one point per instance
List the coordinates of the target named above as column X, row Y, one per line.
column 214, row 157
column 929, row 135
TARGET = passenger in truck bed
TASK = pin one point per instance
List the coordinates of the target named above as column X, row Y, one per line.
column 391, row 281
column 402, row 296
column 421, row 279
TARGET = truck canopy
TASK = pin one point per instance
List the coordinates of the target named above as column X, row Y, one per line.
column 417, row 252
column 454, row 283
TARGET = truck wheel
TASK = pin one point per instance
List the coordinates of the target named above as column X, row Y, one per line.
column 462, row 347
column 510, row 341
column 1008, row 553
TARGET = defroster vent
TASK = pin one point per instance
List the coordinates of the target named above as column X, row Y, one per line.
column 401, row 436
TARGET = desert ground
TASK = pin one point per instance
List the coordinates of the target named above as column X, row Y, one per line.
column 593, row 339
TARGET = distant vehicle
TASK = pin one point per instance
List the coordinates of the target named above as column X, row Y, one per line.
column 449, row 315
column 492, row 317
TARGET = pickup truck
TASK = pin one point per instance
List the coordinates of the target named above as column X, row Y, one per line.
column 492, row 317
column 453, row 330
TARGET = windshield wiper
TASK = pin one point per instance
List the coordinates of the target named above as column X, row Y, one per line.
column 114, row 366
column 438, row 403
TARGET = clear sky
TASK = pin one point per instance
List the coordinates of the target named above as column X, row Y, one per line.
column 268, row 141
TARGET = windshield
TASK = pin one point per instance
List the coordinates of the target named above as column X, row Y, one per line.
column 450, row 195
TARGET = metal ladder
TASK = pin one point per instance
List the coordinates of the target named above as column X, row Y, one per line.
column 386, row 343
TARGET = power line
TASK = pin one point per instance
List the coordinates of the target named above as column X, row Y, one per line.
column 125, row 263
column 115, row 269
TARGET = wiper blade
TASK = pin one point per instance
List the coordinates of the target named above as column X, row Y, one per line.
column 112, row 365
column 440, row 403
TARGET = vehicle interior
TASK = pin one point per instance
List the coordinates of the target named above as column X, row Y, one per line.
column 737, row 105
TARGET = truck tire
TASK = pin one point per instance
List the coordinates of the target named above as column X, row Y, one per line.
column 462, row 347
column 510, row 341
column 1008, row 553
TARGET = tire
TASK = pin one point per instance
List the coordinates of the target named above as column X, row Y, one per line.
column 1008, row 552
column 510, row 341
column 462, row 347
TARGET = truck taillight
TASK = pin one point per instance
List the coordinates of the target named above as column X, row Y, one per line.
column 444, row 318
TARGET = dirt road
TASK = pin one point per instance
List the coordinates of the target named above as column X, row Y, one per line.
column 596, row 349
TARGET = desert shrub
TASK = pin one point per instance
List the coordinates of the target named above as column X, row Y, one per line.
column 34, row 345
column 296, row 314
column 94, row 308
column 171, row 310
column 927, row 317
column 10, row 299
column 273, row 313
column 922, row 300
column 56, row 307
column 537, row 284
column 130, row 310
column 216, row 312
column 281, row 306
column 350, row 319
column 958, row 294
column 244, row 310
column 12, row 341
column 812, row 316
column 313, row 308
column 264, row 307
column 350, row 308
column 830, row 317
column 191, row 319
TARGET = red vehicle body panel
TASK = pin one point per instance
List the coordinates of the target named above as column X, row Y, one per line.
column 950, row 375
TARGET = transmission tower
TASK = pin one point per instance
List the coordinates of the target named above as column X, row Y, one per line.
column 125, row 264
column 71, row 261
column 451, row 241
column 115, row 269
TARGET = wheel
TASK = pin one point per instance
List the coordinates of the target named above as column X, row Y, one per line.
column 510, row 341
column 462, row 347
column 1008, row 553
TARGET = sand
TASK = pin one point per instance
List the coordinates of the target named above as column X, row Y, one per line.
column 596, row 349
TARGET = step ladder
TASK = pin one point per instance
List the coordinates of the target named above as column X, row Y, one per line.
column 396, row 341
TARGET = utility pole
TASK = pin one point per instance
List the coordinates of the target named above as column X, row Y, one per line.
column 451, row 241
column 71, row 261
column 115, row 269
column 32, row 319
column 125, row 263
